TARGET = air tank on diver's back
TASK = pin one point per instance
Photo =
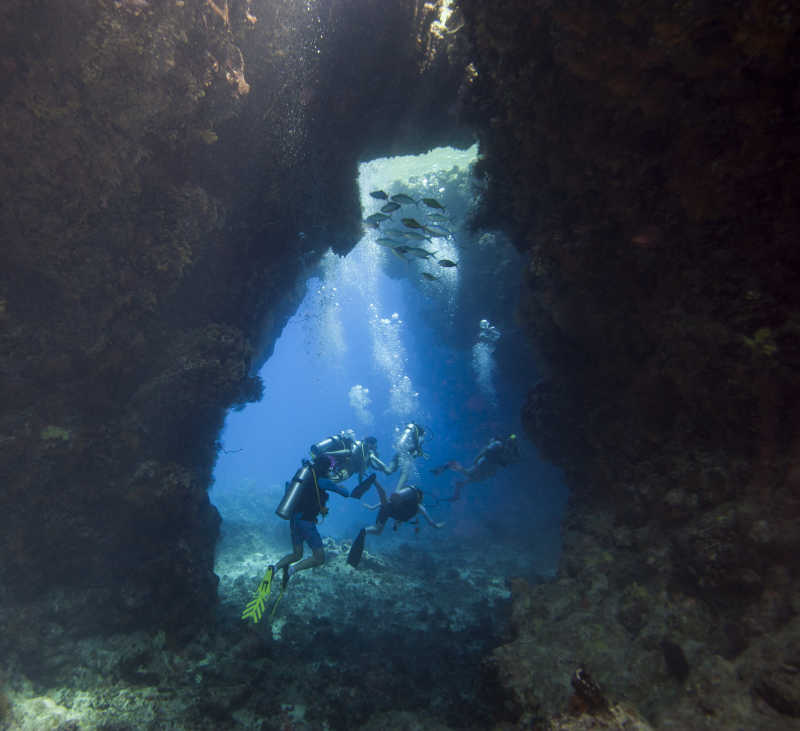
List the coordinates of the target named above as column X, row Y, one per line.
column 294, row 488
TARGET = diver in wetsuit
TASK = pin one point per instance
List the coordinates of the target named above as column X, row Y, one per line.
column 409, row 447
column 305, row 499
column 496, row 454
column 402, row 505
column 350, row 456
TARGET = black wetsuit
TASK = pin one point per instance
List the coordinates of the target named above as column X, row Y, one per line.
column 402, row 505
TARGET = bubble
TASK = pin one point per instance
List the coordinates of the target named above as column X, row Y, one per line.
column 360, row 401
column 483, row 363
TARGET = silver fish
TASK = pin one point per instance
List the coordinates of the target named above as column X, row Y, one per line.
column 415, row 235
column 389, row 207
column 403, row 199
column 439, row 231
column 419, row 253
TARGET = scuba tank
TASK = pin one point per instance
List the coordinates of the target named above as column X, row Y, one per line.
column 359, row 458
column 336, row 445
column 339, row 448
column 294, row 490
column 409, row 440
column 406, row 502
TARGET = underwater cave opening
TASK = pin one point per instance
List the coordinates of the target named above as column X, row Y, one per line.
column 385, row 336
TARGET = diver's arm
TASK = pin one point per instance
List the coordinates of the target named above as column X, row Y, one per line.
column 371, row 507
column 330, row 486
column 493, row 451
column 428, row 518
column 381, row 492
column 481, row 455
column 376, row 464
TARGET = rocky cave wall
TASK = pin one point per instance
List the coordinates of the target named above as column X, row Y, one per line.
column 170, row 170
column 644, row 157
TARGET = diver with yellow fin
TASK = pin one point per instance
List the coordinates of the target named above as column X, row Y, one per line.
column 305, row 499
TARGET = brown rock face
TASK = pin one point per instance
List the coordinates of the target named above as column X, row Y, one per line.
column 646, row 157
column 168, row 171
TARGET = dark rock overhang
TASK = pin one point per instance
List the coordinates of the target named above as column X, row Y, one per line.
column 170, row 171
column 645, row 158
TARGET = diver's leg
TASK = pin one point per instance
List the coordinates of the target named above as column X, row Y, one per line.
column 376, row 529
column 403, row 475
column 297, row 547
column 446, row 466
column 296, row 555
column 309, row 533
column 381, row 494
column 317, row 558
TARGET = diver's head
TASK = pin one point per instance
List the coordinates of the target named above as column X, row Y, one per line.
column 371, row 443
column 322, row 465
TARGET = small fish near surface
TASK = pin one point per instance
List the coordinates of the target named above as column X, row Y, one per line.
column 419, row 253
column 429, row 277
column 412, row 223
column 409, row 235
column 433, row 203
column 398, row 251
column 439, row 218
column 447, row 263
column 376, row 218
column 389, row 243
column 403, row 199
column 438, row 231
column 379, row 194
column 389, row 207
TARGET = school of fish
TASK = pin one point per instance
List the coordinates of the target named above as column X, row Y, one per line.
column 400, row 241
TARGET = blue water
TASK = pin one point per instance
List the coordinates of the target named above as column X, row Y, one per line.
column 361, row 333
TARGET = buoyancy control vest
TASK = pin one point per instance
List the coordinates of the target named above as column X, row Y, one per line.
column 404, row 502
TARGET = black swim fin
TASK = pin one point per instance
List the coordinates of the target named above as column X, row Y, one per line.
column 363, row 486
column 357, row 549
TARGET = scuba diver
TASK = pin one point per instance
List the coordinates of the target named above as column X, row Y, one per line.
column 496, row 454
column 306, row 498
column 409, row 446
column 350, row 456
column 402, row 505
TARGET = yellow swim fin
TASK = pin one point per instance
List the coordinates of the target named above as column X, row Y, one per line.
column 275, row 605
column 255, row 607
